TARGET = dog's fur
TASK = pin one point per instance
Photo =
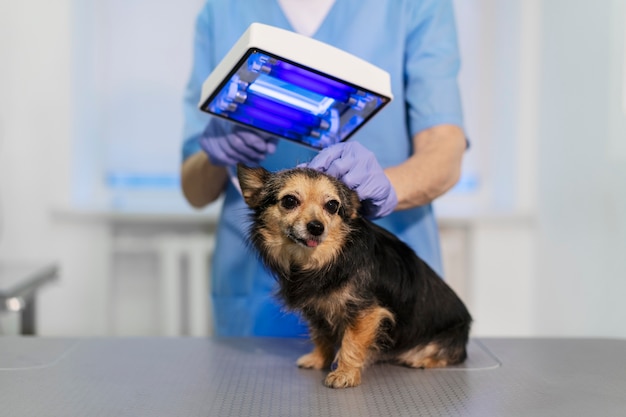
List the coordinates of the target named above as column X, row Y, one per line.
column 361, row 289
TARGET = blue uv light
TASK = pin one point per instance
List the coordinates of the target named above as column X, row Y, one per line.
column 313, row 82
column 293, row 102
column 295, row 115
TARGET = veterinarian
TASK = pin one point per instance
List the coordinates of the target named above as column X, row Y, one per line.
column 402, row 160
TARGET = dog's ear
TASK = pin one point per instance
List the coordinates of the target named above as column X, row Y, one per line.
column 351, row 203
column 252, row 181
column 355, row 205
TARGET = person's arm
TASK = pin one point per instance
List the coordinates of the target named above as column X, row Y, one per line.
column 433, row 104
column 433, row 169
column 201, row 181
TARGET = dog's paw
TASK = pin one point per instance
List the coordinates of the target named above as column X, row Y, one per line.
column 312, row 361
column 343, row 379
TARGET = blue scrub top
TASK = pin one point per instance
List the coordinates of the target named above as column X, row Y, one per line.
column 415, row 41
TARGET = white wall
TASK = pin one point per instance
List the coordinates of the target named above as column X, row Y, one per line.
column 35, row 159
column 500, row 50
column 581, row 276
column 130, row 62
column 54, row 79
column 35, row 120
column 560, row 272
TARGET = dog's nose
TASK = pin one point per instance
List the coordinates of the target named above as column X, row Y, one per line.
column 315, row 227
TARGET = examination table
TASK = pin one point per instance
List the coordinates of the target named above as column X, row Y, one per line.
column 258, row 377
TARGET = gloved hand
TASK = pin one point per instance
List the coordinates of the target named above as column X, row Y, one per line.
column 359, row 169
column 228, row 144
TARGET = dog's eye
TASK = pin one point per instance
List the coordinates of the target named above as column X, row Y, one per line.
column 332, row 206
column 289, row 202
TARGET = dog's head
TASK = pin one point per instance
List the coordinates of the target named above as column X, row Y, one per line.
column 300, row 214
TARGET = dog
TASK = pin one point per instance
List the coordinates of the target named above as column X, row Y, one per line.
column 365, row 294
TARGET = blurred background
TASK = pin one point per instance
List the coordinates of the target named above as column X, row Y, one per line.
column 534, row 235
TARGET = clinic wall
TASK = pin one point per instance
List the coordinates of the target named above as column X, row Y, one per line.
column 557, row 139
column 35, row 121
column 500, row 62
column 582, row 170
column 35, row 159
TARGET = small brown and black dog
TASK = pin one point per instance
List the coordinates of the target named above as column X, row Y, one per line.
column 365, row 294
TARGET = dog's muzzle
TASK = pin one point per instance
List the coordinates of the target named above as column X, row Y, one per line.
column 310, row 238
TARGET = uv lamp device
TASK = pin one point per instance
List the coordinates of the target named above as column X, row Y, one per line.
column 295, row 87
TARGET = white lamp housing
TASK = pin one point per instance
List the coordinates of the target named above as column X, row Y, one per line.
column 295, row 87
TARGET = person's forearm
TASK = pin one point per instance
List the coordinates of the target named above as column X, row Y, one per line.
column 433, row 169
column 202, row 182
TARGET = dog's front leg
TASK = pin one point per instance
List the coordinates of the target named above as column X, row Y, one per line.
column 322, row 355
column 358, row 342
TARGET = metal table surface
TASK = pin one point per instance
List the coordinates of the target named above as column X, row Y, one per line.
column 257, row 377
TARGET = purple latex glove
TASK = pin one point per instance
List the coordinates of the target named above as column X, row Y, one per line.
column 359, row 169
column 228, row 144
